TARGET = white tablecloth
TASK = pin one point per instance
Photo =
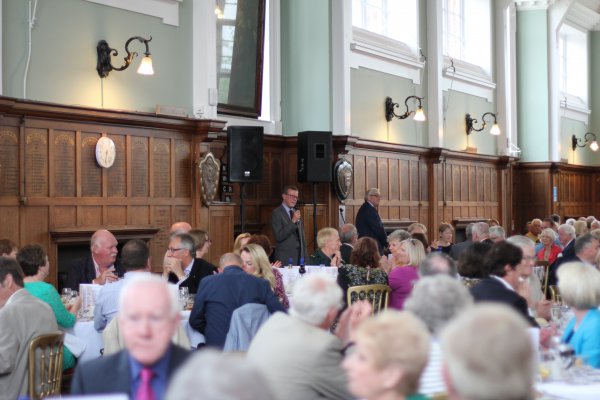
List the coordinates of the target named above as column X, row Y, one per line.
column 560, row 390
column 85, row 331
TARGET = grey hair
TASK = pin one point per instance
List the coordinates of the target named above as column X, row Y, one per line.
column 145, row 280
column 187, row 241
column 579, row 285
column 480, row 228
column 497, row 231
column 371, row 192
column 438, row 299
column 583, row 241
column 314, row 295
column 479, row 370
column 469, row 230
column 568, row 229
column 211, row 375
column 549, row 232
column 347, row 233
column 521, row 241
column 570, row 221
column 428, row 268
column 399, row 235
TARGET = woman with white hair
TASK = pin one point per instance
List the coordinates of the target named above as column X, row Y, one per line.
column 328, row 253
column 579, row 287
column 388, row 358
column 550, row 250
column 436, row 300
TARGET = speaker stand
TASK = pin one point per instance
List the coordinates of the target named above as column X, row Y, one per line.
column 242, row 219
column 315, row 214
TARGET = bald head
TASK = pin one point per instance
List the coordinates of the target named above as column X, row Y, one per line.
column 180, row 227
column 230, row 260
column 104, row 248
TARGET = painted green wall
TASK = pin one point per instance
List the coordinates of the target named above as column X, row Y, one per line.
column 532, row 85
column 594, row 81
column 305, row 66
column 582, row 155
column 63, row 60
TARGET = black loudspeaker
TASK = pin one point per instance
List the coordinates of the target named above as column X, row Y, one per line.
column 245, row 153
column 314, row 156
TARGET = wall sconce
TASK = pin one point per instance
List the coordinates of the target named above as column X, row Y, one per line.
column 470, row 121
column 587, row 138
column 390, row 105
column 104, row 65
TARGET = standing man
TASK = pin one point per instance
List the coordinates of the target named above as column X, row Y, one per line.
column 22, row 317
column 148, row 318
column 288, row 228
column 368, row 221
column 100, row 266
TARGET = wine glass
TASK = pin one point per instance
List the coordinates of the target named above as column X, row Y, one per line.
column 66, row 295
column 556, row 313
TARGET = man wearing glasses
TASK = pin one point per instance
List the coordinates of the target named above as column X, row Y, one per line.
column 368, row 222
column 181, row 266
column 288, row 229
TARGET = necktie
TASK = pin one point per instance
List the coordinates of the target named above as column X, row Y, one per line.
column 291, row 214
column 145, row 391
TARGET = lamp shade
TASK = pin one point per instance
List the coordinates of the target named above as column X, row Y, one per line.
column 419, row 115
column 594, row 146
column 146, row 66
column 495, row 130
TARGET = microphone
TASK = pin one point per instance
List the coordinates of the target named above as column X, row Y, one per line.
column 294, row 209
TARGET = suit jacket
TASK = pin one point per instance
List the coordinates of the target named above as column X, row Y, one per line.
column 567, row 255
column 83, row 271
column 459, row 248
column 24, row 318
column 492, row 290
column 368, row 223
column 200, row 270
column 219, row 295
column 289, row 237
column 346, row 252
column 112, row 374
column 300, row 361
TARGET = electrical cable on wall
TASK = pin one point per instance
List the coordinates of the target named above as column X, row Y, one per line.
column 30, row 25
column 447, row 102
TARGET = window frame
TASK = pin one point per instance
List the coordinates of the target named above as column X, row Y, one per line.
column 572, row 105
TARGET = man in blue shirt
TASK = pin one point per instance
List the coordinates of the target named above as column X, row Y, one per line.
column 148, row 319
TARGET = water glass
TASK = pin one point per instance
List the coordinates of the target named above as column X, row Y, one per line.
column 556, row 313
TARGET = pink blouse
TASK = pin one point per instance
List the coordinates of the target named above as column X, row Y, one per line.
column 401, row 280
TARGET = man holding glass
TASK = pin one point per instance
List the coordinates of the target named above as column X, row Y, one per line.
column 288, row 229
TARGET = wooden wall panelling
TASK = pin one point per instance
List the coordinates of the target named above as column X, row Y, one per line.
column 532, row 193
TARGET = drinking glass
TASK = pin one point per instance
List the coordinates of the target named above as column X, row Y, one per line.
column 66, row 295
column 556, row 313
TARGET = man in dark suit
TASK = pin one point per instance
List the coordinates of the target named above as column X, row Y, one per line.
column 368, row 222
column 147, row 321
column 503, row 263
column 459, row 248
column 348, row 237
column 219, row 295
column 566, row 237
column 100, row 266
column 181, row 265
column 584, row 249
column 288, row 229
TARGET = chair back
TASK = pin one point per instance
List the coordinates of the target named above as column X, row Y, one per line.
column 555, row 294
column 46, row 365
column 378, row 295
column 544, row 280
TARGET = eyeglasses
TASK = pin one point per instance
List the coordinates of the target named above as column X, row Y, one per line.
column 293, row 196
column 173, row 250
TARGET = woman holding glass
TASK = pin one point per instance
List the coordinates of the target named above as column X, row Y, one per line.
column 34, row 262
column 256, row 263
column 403, row 269
column 579, row 287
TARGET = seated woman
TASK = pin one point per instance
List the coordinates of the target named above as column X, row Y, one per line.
column 579, row 286
column 328, row 240
column 240, row 241
column 256, row 263
column 404, row 270
column 35, row 265
column 363, row 268
column 388, row 358
column 444, row 241
column 550, row 250
column 8, row 248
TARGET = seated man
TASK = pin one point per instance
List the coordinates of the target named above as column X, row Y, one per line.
column 219, row 295
column 135, row 261
column 100, row 266
column 488, row 355
column 181, row 265
column 503, row 264
column 297, row 354
column 148, row 318
column 22, row 318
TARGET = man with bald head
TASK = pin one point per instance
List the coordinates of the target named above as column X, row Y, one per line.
column 219, row 295
column 100, row 266
column 180, row 227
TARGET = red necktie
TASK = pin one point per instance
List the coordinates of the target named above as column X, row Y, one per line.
column 145, row 391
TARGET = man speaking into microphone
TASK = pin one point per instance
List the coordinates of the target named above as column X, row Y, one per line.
column 288, row 228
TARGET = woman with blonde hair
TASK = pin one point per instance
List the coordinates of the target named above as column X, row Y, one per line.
column 581, row 228
column 404, row 271
column 240, row 241
column 389, row 355
column 256, row 263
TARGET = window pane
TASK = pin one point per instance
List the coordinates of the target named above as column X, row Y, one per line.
column 395, row 19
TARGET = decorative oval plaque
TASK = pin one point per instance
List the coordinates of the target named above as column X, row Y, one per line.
column 343, row 177
column 209, row 168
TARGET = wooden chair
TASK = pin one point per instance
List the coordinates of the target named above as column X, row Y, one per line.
column 377, row 295
column 46, row 365
column 555, row 294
